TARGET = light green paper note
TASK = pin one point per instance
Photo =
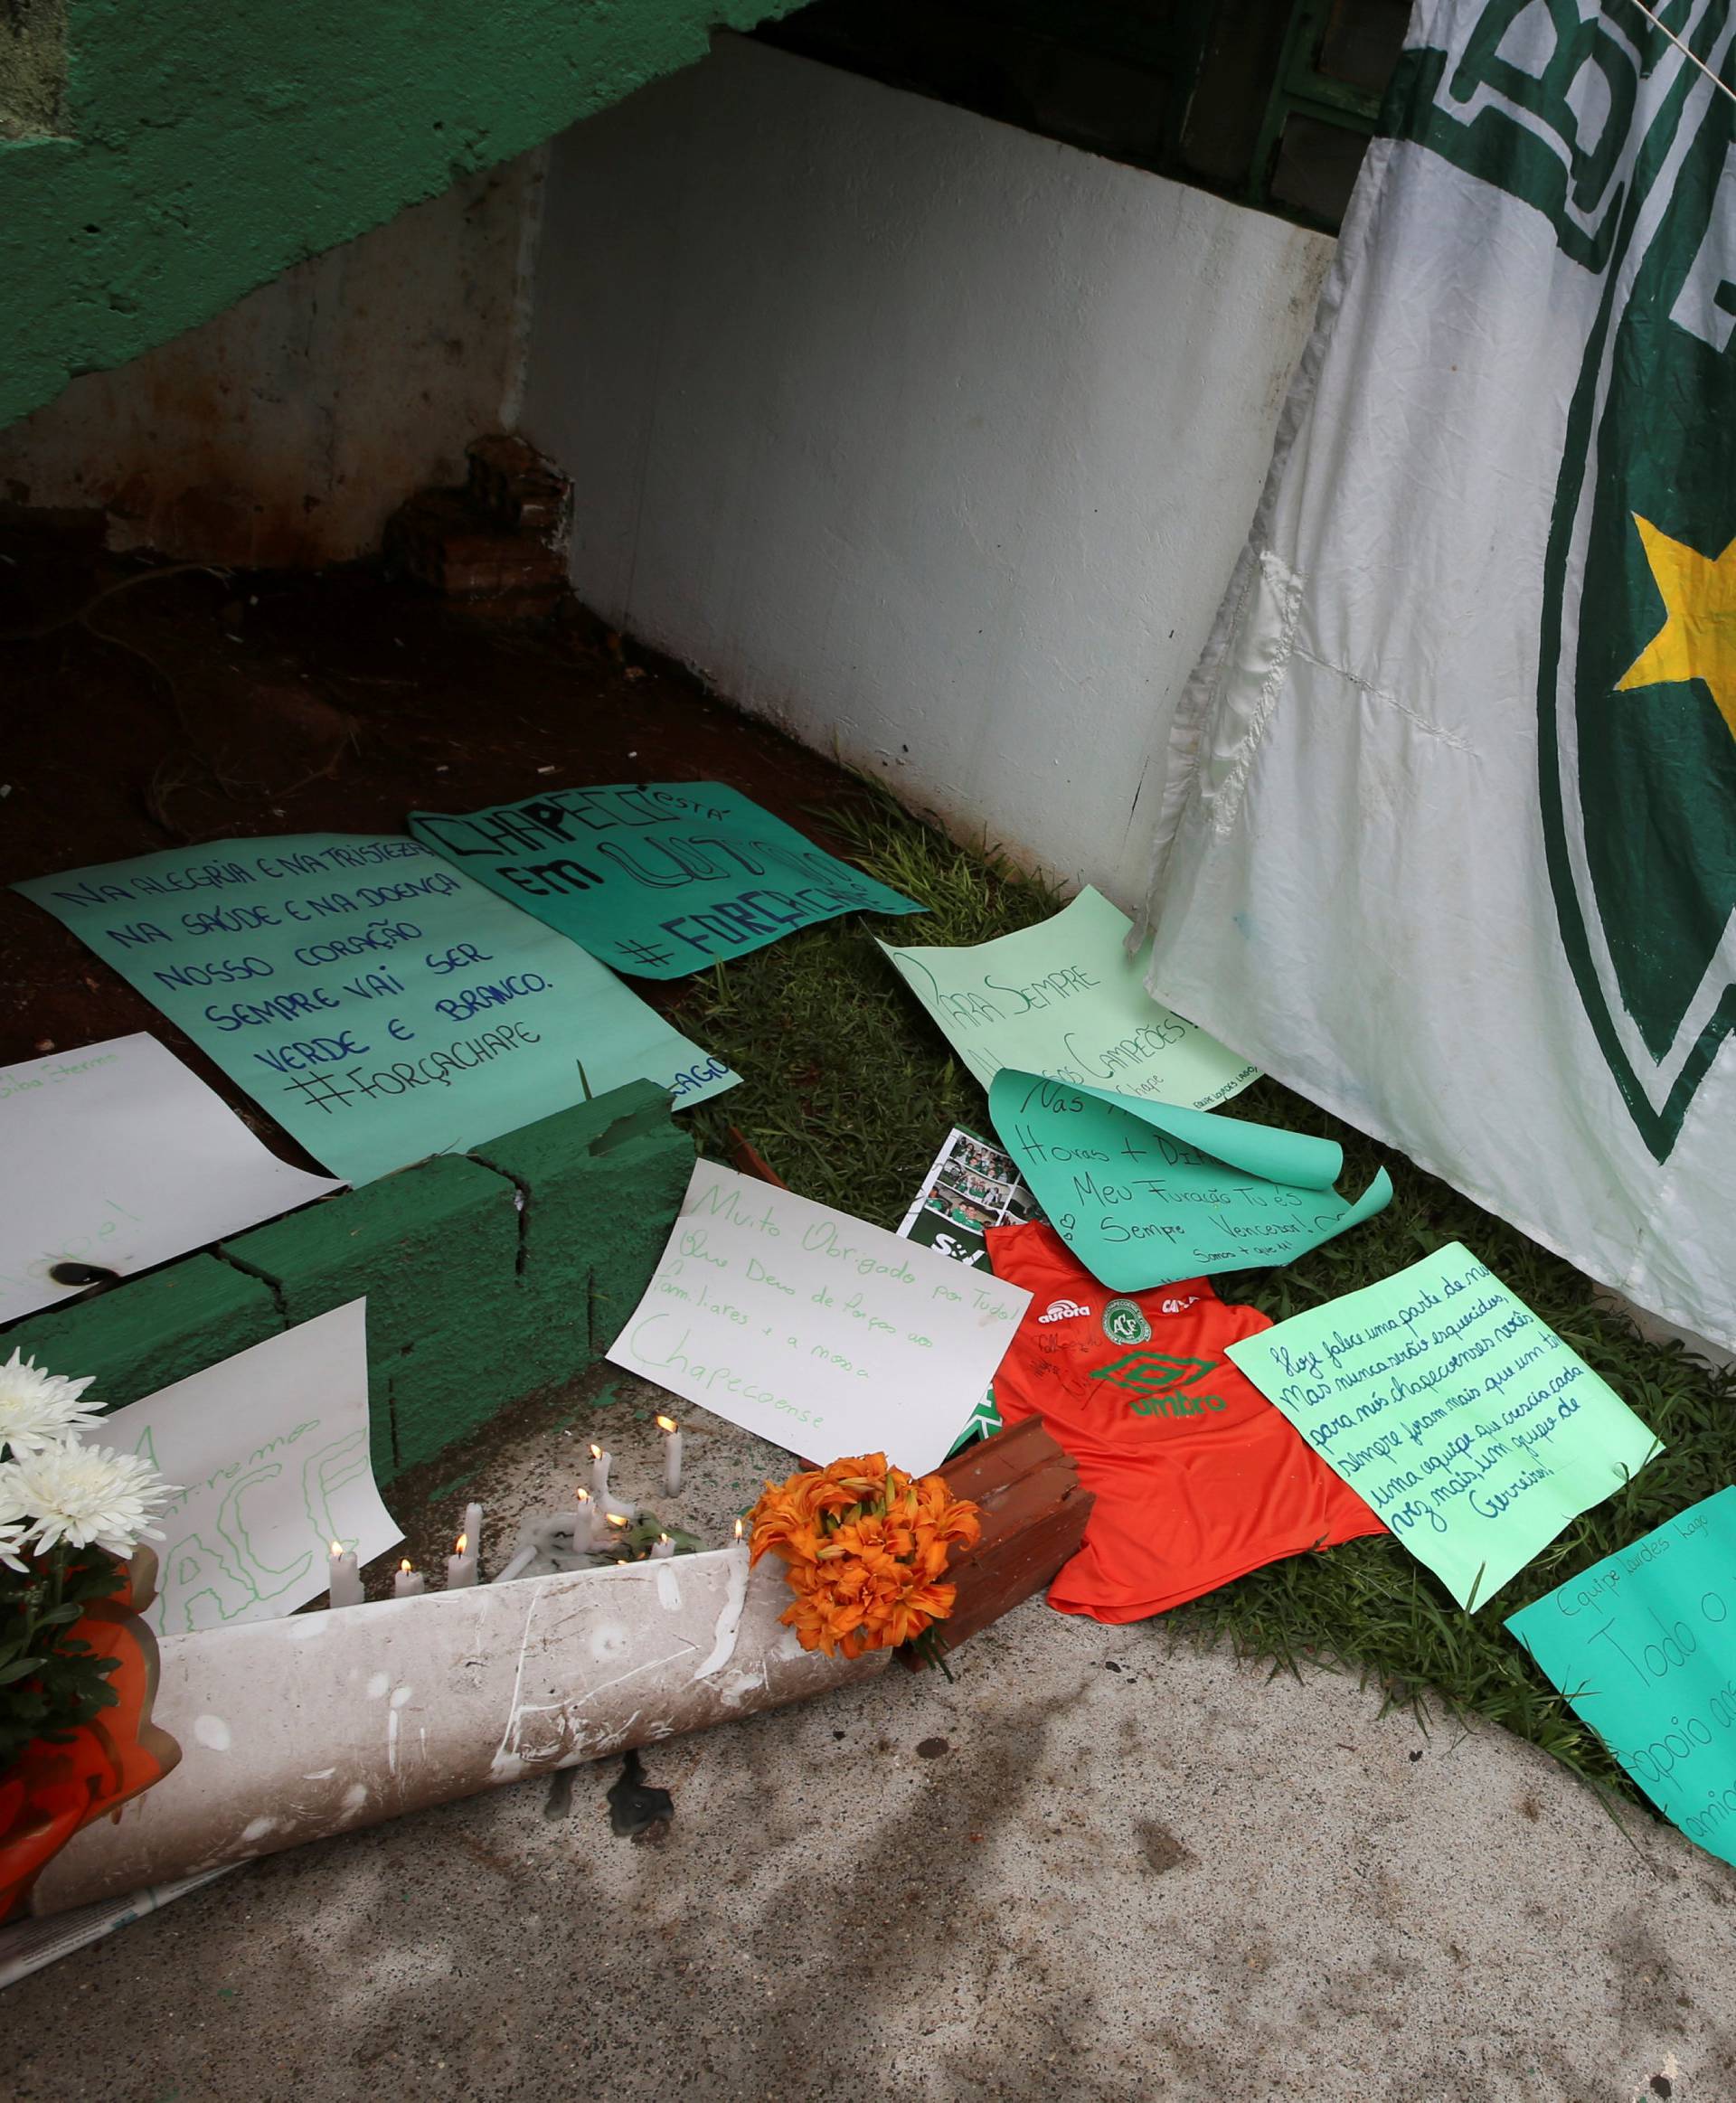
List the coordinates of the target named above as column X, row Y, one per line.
column 1465, row 1421
column 1145, row 1193
column 1064, row 999
column 1644, row 1646
column 381, row 1006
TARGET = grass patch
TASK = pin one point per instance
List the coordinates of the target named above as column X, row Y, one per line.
column 848, row 1090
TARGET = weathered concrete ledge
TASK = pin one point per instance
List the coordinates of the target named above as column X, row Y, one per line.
column 296, row 1730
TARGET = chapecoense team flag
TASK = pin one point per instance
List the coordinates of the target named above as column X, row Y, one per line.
column 1449, row 838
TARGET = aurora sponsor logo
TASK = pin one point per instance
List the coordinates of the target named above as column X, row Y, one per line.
column 1063, row 1311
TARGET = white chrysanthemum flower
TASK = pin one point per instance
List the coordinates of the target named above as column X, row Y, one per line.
column 86, row 1494
column 15, row 1522
column 38, row 1408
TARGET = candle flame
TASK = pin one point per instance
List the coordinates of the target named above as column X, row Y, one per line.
column 404, row 1566
column 338, row 1548
column 662, row 1537
column 667, row 1424
column 618, row 1519
column 596, row 1451
column 463, row 1540
column 584, row 1496
column 738, row 1529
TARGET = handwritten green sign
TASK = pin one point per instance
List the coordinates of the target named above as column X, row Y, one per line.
column 656, row 878
column 381, row 1006
column 1644, row 1646
column 1145, row 1193
column 1064, row 999
column 1465, row 1421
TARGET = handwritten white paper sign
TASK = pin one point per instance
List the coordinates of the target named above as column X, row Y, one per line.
column 117, row 1157
column 816, row 1330
column 270, row 1450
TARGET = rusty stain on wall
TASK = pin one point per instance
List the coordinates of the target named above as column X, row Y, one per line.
column 284, row 431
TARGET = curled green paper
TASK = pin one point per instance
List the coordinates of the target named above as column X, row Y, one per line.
column 1146, row 1193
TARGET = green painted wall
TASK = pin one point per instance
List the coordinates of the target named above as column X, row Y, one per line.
column 203, row 147
column 487, row 1277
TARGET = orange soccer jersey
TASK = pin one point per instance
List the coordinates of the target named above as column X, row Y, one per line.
column 1198, row 1478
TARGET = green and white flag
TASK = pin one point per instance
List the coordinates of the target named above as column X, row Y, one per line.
column 1448, row 840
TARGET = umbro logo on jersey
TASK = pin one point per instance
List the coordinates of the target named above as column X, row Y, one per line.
column 1063, row 1311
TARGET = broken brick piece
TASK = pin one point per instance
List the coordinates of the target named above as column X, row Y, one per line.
column 1033, row 1511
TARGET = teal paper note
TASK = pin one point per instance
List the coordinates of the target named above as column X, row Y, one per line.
column 378, row 1004
column 1446, row 1404
column 1065, row 1000
column 1145, row 1193
column 1644, row 1646
column 656, row 878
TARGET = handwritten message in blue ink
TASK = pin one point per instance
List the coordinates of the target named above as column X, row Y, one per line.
column 1468, row 1424
column 381, row 1006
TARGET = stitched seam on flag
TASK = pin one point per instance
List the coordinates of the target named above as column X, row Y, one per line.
column 1375, row 693
column 1227, row 802
column 1189, row 738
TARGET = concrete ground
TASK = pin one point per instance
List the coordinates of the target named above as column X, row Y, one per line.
column 1097, row 1866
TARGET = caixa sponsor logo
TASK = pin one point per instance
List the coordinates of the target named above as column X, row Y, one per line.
column 1181, row 1306
column 1063, row 1311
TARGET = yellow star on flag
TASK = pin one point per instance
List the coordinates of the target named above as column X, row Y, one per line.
column 1698, row 638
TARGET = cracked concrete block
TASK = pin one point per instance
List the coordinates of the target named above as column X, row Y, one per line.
column 435, row 1249
column 149, row 1332
column 602, row 1184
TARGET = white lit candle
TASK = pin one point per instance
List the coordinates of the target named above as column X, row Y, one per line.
column 343, row 1578
column 473, row 1533
column 662, row 1548
column 671, row 1455
column 599, row 1476
column 461, row 1567
column 407, row 1583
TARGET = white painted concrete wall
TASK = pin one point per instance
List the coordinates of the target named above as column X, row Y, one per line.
column 932, row 440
